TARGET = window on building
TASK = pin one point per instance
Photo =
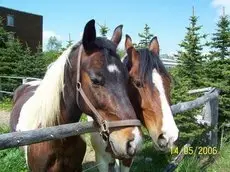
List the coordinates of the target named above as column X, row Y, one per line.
column 10, row 20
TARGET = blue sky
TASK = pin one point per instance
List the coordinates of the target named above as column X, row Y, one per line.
column 167, row 18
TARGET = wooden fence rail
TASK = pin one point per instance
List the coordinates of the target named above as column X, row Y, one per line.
column 57, row 132
column 24, row 80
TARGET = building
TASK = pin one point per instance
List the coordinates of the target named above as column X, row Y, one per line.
column 25, row 26
column 168, row 61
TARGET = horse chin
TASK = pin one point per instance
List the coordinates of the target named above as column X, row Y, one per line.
column 158, row 148
column 115, row 153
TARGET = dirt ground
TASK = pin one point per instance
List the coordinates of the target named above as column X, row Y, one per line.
column 4, row 117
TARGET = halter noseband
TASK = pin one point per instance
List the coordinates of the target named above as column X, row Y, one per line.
column 104, row 124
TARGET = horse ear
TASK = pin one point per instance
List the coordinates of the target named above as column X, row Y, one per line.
column 128, row 42
column 117, row 34
column 89, row 35
column 133, row 57
column 154, row 46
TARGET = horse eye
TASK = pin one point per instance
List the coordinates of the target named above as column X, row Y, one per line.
column 97, row 81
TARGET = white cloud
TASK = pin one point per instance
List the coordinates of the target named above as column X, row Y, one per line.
column 47, row 34
column 219, row 4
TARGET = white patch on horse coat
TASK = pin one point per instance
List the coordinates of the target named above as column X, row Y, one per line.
column 43, row 108
column 103, row 158
column 113, row 68
column 137, row 138
column 169, row 128
column 26, row 156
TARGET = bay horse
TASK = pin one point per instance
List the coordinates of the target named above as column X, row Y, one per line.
column 94, row 66
column 149, row 92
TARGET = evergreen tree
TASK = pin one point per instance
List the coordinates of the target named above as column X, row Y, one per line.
column 15, row 60
column 54, row 44
column 217, row 70
column 221, row 39
column 187, row 75
column 145, row 37
column 103, row 30
column 190, row 56
column 31, row 65
column 69, row 42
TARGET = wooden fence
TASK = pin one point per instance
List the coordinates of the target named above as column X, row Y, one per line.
column 210, row 117
column 23, row 80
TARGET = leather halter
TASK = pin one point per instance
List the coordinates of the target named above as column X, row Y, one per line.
column 104, row 124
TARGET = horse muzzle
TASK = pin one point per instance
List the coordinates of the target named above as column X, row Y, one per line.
column 125, row 143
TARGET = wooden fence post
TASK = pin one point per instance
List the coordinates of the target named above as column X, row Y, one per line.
column 24, row 80
column 211, row 115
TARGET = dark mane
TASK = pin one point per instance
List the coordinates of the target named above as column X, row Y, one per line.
column 148, row 62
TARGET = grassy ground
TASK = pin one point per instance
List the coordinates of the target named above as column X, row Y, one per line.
column 212, row 163
column 222, row 164
column 12, row 160
column 6, row 104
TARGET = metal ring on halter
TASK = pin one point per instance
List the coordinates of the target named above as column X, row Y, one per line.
column 78, row 85
column 104, row 130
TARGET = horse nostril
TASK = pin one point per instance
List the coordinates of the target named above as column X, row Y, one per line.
column 130, row 148
column 162, row 142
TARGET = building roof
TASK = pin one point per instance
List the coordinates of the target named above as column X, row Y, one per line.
column 20, row 11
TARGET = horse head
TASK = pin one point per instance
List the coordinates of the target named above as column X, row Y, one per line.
column 103, row 79
column 150, row 92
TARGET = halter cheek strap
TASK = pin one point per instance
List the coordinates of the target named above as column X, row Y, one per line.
column 104, row 128
column 104, row 125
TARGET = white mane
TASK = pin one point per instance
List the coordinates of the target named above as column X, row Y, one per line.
column 43, row 108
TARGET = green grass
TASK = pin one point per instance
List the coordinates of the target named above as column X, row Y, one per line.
column 213, row 163
column 6, row 104
column 12, row 160
column 222, row 164
column 148, row 160
column 190, row 164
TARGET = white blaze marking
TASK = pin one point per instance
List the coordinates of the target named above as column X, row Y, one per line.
column 137, row 138
column 169, row 128
column 113, row 68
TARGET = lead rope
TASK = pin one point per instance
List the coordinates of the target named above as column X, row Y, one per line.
column 104, row 128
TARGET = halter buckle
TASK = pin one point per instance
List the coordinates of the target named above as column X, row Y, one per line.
column 104, row 130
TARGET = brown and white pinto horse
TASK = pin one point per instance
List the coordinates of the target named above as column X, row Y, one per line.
column 53, row 101
column 149, row 92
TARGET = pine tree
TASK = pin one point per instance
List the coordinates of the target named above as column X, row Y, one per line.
column 187, row 75
column 103, row 30
column 221, row 39
column 145, row 36
column 217, row 69
column 190, row 56
column 16, row 60
column 69, row 42
column 54, row 44
column 31, row 65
